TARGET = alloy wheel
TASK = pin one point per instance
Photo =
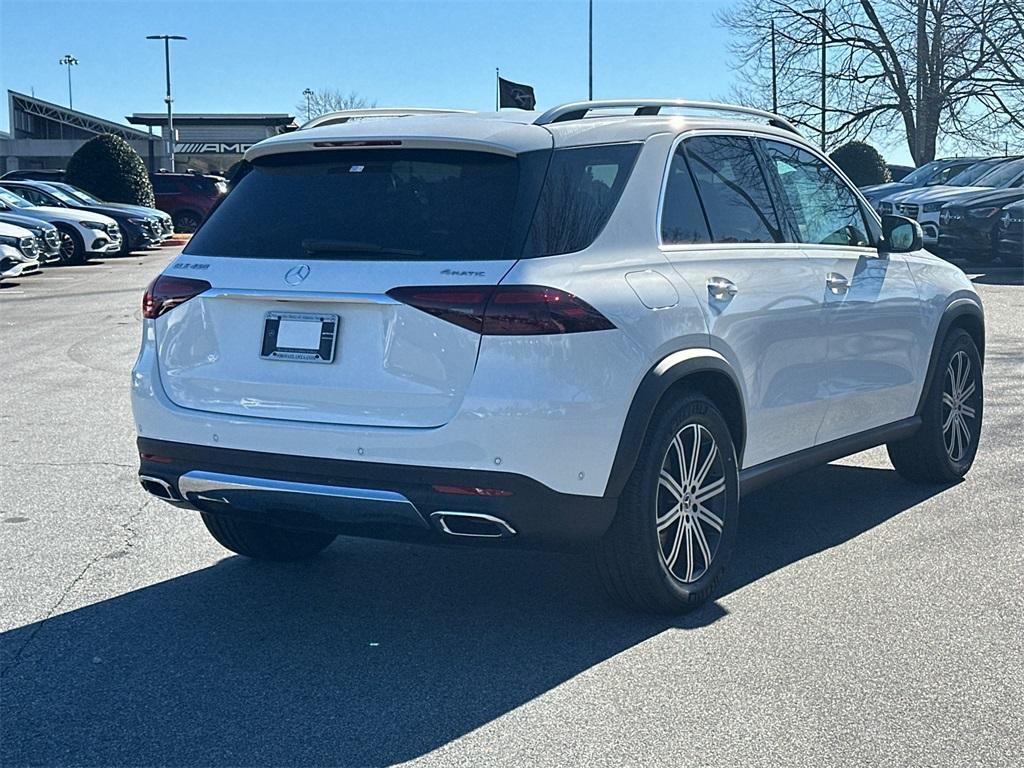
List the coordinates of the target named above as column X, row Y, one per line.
column 959, row 406
column 67, row 247
column 690, row 503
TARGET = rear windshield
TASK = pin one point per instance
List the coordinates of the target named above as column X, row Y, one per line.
column 367, row 204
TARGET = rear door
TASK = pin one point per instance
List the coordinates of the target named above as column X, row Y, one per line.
column 876, row 336
column 297, row 322
column 760, row 294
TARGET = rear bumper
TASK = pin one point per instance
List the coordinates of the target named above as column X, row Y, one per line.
column 393, row 501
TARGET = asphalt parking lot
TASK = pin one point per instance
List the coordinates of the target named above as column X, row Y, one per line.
column 866, row 621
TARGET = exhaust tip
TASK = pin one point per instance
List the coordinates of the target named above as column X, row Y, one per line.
column 473, row 524
column 159, row 488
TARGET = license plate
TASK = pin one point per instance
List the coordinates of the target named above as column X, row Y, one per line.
column 300, row 338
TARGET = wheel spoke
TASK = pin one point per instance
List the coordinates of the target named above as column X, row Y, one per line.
column 670, row 517
column 966, row 432
column 966, row 410
column 709, row 517
column 680, row 458
column 698, row 480
column 689, row 553
column 948, row 400
column 669, row 483
column 949, row 420
column 695, row 457
column 673, row 555
column 967, row 392
column 710, row 491
column 702, row 542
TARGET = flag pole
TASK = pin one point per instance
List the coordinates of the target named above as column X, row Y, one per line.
column 497, row 90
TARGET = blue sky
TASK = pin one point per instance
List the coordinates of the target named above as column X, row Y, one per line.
column 250, row 56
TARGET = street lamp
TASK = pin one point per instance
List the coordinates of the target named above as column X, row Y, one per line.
column 309, row 95
column 170, row 115
column 823, row 42
column 69, row 61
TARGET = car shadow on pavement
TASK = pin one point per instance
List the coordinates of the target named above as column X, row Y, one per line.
column 373, row 653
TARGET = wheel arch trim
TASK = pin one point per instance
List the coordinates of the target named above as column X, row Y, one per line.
column 662, row 377
column 956, row 309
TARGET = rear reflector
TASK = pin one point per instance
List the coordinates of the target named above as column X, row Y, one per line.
column 468, row 490
column 505, row 310
column 167, row 292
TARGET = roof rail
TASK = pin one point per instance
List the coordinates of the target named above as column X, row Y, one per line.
column 344, row 115
column 578, row 109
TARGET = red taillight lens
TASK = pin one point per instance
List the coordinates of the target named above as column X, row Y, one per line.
column 167, row 292
column 509, row 310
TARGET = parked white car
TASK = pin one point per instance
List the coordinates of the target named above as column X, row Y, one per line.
column 925, row 204
column 588, row 327
column 19, row 251
column 83, row 234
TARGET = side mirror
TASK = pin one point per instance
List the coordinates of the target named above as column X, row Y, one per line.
column 900, row 235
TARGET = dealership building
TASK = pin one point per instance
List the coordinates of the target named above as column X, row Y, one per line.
column 45, row 135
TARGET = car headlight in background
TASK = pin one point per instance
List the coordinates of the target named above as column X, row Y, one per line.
column 982, row 213
column 93, row 225
column 932, row 207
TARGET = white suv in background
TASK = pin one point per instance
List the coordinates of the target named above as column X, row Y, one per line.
column 83, row 234
column 590, row 327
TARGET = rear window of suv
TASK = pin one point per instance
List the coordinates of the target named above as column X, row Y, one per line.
column 368, row 204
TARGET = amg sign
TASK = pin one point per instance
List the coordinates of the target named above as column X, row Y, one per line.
column 211, row 148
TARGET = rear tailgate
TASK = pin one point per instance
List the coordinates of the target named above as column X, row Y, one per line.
column 303, row 252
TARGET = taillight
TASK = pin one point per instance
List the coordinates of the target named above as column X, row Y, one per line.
column 505, row 310
column 167, row 292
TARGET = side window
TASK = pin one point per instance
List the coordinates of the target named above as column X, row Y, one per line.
column 580, row 191
column 825, row 210
column 164, row 186
column 682, row 218
column 34, row 196
column 733, row 190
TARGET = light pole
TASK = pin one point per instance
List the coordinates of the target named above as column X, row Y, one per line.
column 824, row 39
column 170, row 115
column 590, row 53
column 309, row 96
column 69, row 61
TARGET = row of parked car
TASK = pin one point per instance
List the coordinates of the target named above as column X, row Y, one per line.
column 968, row 207
column 57, row 223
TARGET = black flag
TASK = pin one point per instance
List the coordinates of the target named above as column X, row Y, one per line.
column 515, row 95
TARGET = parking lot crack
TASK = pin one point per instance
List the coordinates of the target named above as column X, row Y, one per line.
column 126, row 541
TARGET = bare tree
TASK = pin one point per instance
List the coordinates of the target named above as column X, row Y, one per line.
column 931, row 69
column 324, row 100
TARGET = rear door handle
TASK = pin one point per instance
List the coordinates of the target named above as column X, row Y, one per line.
column 722, row 288
column 837, row 283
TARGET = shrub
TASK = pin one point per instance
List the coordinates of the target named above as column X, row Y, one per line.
column 107, row 167
column 862, row 163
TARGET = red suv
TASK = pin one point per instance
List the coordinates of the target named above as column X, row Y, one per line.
column 187, row 197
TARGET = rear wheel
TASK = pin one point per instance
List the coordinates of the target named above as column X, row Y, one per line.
column 265, row 542
column 676, row 524
column 943, row 449
column 72, row 247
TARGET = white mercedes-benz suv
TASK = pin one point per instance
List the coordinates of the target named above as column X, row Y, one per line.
column 594, row 327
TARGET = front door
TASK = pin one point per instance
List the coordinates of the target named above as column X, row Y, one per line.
column 872, row 315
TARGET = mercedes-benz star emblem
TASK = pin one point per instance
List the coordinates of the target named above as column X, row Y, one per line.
column 296, row 275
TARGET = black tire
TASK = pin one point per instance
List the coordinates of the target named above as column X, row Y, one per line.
column 72, row 247
column 265, row 542
column 634, row 559
column 934, row 454
column 126, row 243
column 187, row 221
